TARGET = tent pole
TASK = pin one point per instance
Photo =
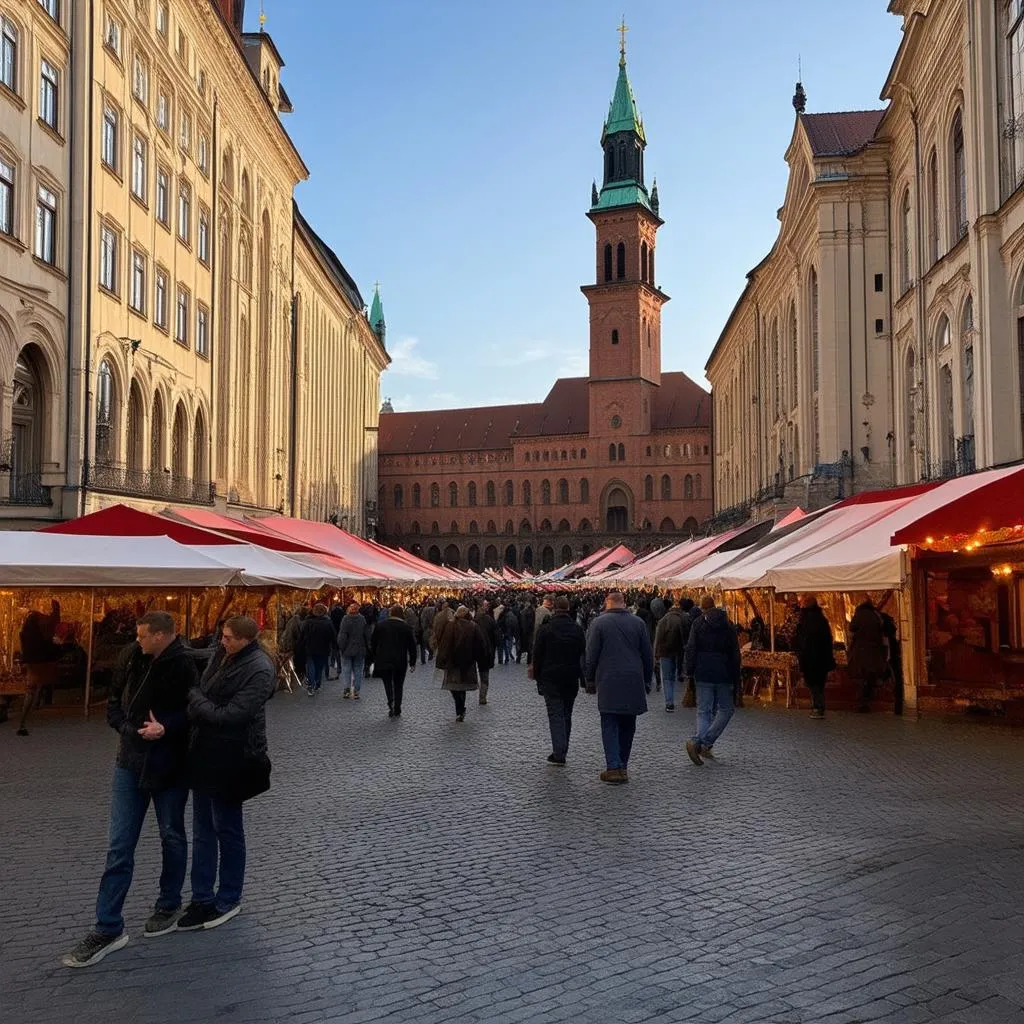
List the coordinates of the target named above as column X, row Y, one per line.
column 771, row 620
column 188, row 613
column 88, row 650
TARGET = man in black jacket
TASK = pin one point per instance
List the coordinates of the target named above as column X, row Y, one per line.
column 147, row 707
column 486, row 624
column 393, row 650
column 321, row 642
column 558, row 669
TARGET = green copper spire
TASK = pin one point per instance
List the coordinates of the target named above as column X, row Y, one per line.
column 623, row 115
column 377, row 313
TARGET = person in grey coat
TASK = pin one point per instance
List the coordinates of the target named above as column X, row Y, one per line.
column 353, row 645
column 619, row 668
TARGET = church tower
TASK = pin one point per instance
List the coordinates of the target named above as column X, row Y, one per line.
column 625, row 302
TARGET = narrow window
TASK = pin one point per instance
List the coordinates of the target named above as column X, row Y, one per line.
column 620, row 261
column 608, row 262
column 49, row 91
column 139, row 160
column 182, row 319
column 622, row 453
column 202, row 330
column 959, row 179
column 6, row 197
column 137, row 294
column 163, row 197
column 611, row 453
column 643, row 262
column 46, row 226
column 666, row 488
column 109, row 138
column 160, row 300
column 615, row 337
column 108, row 259
column 8, row 54
column 648, row 488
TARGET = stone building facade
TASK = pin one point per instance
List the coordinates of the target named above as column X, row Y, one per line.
column 896, row 283
column 176, row 372
column 622, row 454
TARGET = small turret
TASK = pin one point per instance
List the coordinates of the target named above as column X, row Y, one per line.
column 799, row 98
column 654, row 197
column 377, row 324
column 387, row 406
column 593, row 193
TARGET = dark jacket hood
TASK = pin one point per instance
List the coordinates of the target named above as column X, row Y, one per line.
column 716, row 618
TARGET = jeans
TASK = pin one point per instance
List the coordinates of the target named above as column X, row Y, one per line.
column 485, row 682
column 128, row 806
column 316, row 669
column 715, row 706
column 394, row 686
column 669, row 678
column 617, row 732
column 459, row 696
column 816, row 684
column 217, row 834
column 560, row 723
column 352, row 672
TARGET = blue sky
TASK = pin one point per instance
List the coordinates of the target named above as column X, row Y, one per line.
column 452, row 143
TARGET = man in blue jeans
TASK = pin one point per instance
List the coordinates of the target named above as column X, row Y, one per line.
column 353, row 646
column 147, row 707
column 713, row 662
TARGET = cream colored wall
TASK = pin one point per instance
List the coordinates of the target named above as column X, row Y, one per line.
column 33, row 294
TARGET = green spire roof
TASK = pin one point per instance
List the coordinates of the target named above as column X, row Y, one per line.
column 376, row 310
column 623, row 115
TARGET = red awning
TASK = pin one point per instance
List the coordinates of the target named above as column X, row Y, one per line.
column 207, row 519
column 125, row 521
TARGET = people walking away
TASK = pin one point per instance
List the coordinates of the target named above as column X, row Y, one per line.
column 393, row 649
column 228, row 764
column 299, row 644
column 812, row 641
column 486, row 624
column 337, row 613
column 558, row 670
column 527, row 621
column 445, row 614
column 619, row 668
column 868, row 659
column 670, row 638
column 712, row 660
column 692, row 613
column 895, row 656
column 427, row 614
column 320, row 642
column 353, row 645
column 40, row 654
column 510, row 635
column 461, row 652
column 412, row 620
column 147, row 708
column 543, row 613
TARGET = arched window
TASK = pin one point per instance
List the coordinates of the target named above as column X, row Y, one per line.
column 563, row 492
column 471, row 494
column 228, row 171
column 29, row 422
column 527, row 493
column 608, row 261
column 510, row 556
column 698, row 489
column 622, row 453
column 453, row 495
column 584, row 491
column 509, row 528
column 416, row 496
column 434, row 528
column 648, row 488
column 414, row 527
column 179, row 445
column 620, row 261
column 667, row 526
column 435, row 496
column 967, row 355
column 246, row 195
column 525, row 527
column 958, row 178
column 510, row 494
column 947, row 438
column 545, row 526
column 491, row 557
column 910, row 383
column 566, row 554
column 933, row 206
column 156, row 437
column 136, row 418
column 491, row 527
column 398, row 496
column 690, row 526
column 906, row 242
column 617, row 512
column 650, row 266
column 454, row 527
column 200, row 450
column 547, row 558
column 666, row 487
column 473, row 557
column 687, row 487
column 545, row 492
column 794, row 358
column 106, row 415
column 585, row 526
column 643, row 262
column 434, row 554
column 611, row 452
column 528, row 557
column 942, row 334
column 490, row 493
column 474, row 526
column 564, row 526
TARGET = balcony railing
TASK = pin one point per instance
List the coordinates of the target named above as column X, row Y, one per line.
column 962, row 464
column 142, row 483
column 24, row 489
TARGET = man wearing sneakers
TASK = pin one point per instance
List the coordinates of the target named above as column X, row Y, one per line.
column 147, row 707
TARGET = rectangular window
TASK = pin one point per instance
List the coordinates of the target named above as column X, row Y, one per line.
column 46, row 226
column 108, row 259
column 161, row 18
column 878, row 282
column 6, row 197
column 140, row 80
column 203, row 236
column 163, row 111
column 202, row 330
column 137, row 299
column 184, row 213
column 203, row 156
column 108, row 145
column 201, row 83
column 185, row 133
column 112, row 37
column 52, row 8
column 181, row 320
column 160, row 300
column 182, row 46
column 8, row 54
column 140, row 158
column 163, row 197
column 49, row 93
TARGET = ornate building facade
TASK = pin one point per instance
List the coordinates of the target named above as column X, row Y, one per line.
column 620, row 455
column 881, row 341
column 176, row 374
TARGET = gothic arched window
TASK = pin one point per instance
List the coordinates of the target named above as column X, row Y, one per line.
column 527, row 493
column 648, row 488
column 491, row 500
column 622, row 453
column 453, row 495
column 563, row 492
column 435, row 496
column 611, row 453
column 620, row 260
column 545, row 492
column 666, row 488
column 608, row 261
column 398, row 495
column 471, row 494
column 415, row 495
column 584, row 491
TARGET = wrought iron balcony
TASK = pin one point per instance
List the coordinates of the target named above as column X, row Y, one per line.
column 25, row 489
column 143, row 483
column 962, row 464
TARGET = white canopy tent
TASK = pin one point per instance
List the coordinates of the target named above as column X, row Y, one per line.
column 262, row 567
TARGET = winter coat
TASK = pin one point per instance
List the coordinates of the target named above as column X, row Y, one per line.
column 658, row 609
column 671, row 634
column 812, row 642
column 290, row 637
column 510, row 624
column 161, row 685
column 318, row 637
column 462, row 651
column 36, row 637
column 441, row 619
column 558, row 656
column 645, row 616
column 227, row 713
column 619, row 662
column 868, row 654
column 337, row 613
column 427, row 622
column 354, row 636
column 412, row 620
column 392, row 645
column 713, row 650
column 543, row 614
column 489, row 628
column 527, row 620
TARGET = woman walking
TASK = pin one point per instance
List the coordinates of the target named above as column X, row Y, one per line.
column 461, row 652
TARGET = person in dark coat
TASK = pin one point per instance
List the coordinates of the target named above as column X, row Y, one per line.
column 489, row 628
column 40, row 655
column 619, row 668
column 460, row 653
column 427, row 614
column 393, row 649
column 868, row 658
column 147, row 708
column 299, row 643
column 812, row 641
column 670, row 636
column 510, row 633
column 227, row 764
column 712, row 660
column 337, row 613
column 558, row 670
column 354, row 645
column 320, row 643
column 895, row 652
column 527, row 620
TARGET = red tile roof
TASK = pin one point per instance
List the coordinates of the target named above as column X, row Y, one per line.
column 680, row 402
column 841, row 133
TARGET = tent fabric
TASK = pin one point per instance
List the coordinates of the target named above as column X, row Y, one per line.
column 125, row 521
column 46, row 559
column 264, row 568
column 618, row 557
column 788, row 520
column 237, row 529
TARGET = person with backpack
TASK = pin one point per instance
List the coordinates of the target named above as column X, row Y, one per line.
column 670, row 636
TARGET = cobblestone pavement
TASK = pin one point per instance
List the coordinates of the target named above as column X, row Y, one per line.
column 857, row 869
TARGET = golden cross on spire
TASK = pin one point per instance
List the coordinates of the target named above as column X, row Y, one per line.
column 623, row 29
column 263, row 16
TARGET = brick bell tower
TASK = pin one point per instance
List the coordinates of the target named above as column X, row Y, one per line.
column 625, row 303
